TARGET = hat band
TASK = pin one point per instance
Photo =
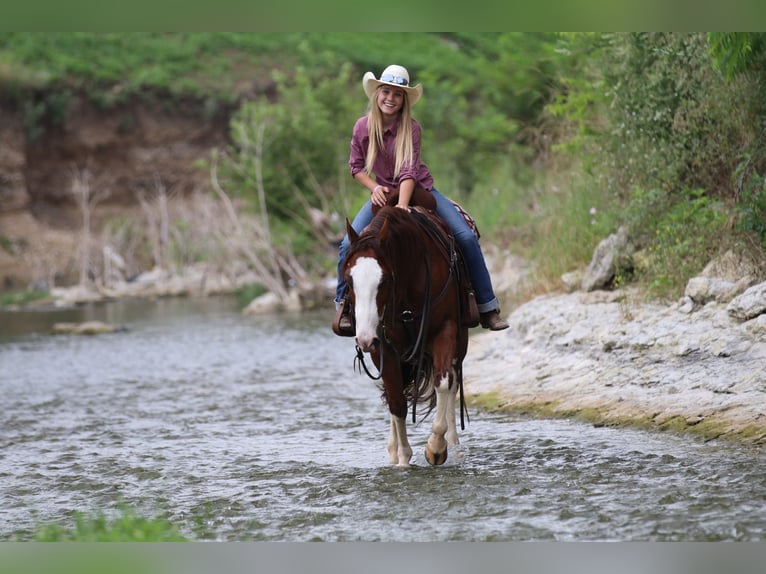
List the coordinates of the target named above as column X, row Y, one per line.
column 398, row 80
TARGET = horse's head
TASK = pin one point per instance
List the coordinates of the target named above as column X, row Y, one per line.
column 369, row 278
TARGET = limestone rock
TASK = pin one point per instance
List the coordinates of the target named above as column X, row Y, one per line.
column 571, row 281
column 564, row 355
column 705, row 289
column 86, row 328
column 270, row 303
column 612, row 253
column 750, row 304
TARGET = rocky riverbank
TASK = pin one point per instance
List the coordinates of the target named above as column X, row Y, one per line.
column 601, row 356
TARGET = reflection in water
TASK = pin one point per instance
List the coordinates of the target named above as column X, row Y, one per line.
column 257, row 428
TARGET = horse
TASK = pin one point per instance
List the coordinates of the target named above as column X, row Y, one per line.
column 409, row 295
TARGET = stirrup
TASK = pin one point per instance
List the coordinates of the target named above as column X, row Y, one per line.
column 342, row 325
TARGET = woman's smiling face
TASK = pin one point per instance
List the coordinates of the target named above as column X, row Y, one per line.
column 390, row 100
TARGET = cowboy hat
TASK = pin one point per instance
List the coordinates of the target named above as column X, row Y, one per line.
column 393, row 75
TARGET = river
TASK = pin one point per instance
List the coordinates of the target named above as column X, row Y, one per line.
column 258, row 428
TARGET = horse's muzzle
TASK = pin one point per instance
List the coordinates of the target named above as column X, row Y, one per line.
column 367, row 344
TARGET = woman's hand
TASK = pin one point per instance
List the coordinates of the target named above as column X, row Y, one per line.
column 379, row 195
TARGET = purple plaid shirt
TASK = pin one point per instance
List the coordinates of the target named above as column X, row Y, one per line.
column 384, row 162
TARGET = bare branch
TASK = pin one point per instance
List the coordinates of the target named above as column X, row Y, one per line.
column 221, row 193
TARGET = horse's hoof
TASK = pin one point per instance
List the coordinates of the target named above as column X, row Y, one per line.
column 436, row 458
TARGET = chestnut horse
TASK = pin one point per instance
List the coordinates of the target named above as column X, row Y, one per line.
column 407, row 295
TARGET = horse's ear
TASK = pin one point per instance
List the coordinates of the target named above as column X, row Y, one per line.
column 352, row 234
column 384, row 230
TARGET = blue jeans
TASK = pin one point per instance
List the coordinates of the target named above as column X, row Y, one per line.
column 464, row 237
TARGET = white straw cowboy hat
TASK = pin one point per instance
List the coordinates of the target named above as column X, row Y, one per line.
column 394, row 75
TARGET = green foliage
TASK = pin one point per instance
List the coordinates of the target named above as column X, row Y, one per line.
column 531, row 132
column 483, row 92
column 125, row 64
column 666, row 119
column 126, row 528
column 680, row 237
column 7, row 244
column 571, row 218
column 21, row 297
column 299, row 143
column 752, row 205
column 735, row 53
column 245, row 295
column 478, row 90
column 291, row 155
column 651, row 112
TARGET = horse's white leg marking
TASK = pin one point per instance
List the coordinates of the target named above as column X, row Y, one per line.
column 366, row 274
column 451, row 427
column 393, row 444
column 436, row 442
column 399, row 450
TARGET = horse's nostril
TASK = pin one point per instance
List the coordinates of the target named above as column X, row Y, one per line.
column 368, row 345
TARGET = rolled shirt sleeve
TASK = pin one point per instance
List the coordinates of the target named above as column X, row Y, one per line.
column 359, row 141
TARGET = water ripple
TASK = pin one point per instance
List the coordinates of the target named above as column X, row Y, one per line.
column 240, row 428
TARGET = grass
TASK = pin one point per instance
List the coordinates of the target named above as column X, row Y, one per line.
column 16, row 298
column 115, row 66
column 87, row 555
column 552, row 217
column 128, row 527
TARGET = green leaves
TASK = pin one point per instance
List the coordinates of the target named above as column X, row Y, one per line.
column 736, row 53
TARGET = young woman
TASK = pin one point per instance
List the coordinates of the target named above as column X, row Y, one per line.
column 386, row 144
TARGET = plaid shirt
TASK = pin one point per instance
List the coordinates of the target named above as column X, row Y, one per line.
column 386, row 158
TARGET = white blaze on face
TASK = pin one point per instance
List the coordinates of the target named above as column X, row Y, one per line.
column 366, row 275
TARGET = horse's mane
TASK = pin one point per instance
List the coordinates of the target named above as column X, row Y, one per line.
column 403, row 229
column 402, row 232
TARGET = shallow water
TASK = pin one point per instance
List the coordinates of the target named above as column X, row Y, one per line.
column 258, row 428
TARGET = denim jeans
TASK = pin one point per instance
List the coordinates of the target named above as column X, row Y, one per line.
column 464, row 237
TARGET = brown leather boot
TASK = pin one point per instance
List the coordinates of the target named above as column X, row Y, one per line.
column 342, row 324
column 493, row 321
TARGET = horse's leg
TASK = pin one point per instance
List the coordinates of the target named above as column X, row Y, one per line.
column 393, row 444
column 436, row 448
column 457, row 380
column 451, row 435
column 399, row 450
column 444, row 418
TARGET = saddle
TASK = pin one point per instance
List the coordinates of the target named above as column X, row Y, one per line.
column 469, row 309
column 420, row 198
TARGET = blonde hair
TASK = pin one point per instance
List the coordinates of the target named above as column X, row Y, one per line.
column 403, row 149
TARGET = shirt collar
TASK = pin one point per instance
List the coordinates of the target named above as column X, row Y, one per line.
column 393, row 129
